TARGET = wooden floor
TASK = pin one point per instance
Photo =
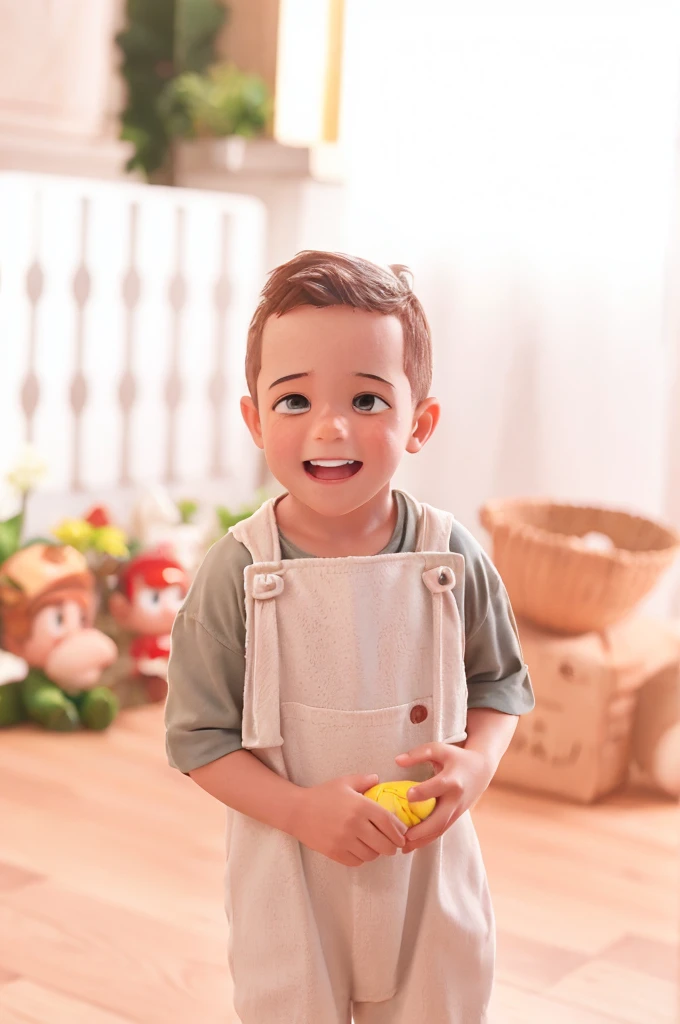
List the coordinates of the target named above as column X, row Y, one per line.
column 111, row 906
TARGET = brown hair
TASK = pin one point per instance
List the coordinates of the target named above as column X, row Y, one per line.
column 315, row 278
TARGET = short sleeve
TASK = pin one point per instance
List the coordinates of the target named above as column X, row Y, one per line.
column 206, row 672
column 497, row 675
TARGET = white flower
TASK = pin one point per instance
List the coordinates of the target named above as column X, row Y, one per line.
column 154, row 508
column 28, row 471
column 187, row 541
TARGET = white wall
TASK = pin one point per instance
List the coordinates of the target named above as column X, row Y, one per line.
column 59, row 90
column 521, row 158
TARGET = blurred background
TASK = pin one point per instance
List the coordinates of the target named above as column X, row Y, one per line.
column 157, row 159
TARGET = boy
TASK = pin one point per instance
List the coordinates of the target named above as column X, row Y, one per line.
column 323, row 647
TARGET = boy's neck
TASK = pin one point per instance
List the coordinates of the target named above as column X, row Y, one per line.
column 365, row 531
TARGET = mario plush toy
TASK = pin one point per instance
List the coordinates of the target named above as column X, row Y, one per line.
column 151, row 588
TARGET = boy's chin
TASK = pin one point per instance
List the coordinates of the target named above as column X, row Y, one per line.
column 332, row 501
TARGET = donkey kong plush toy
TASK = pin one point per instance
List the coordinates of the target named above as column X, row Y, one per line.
column 47, row 610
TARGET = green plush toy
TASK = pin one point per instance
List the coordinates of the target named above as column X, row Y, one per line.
column 52, row 657
column 13, row 671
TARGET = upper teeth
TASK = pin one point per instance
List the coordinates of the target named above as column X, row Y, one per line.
column 332, row 462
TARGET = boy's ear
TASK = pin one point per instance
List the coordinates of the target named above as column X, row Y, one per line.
column 425, row 419
column 252, row 420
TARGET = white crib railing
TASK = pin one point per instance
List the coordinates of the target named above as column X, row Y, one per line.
column 123, row 318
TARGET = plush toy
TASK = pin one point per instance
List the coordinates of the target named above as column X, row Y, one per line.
column 392, row 796
column 47, row 608
column 12, row 671
column 656, row 732
column 151, row 588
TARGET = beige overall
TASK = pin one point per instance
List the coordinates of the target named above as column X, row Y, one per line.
column 349, row 662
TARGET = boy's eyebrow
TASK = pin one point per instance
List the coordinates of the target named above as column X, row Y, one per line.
column 291, row 376
column 374, row 376
column 296, row 376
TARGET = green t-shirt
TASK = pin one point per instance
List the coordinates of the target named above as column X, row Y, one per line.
column 206, row 673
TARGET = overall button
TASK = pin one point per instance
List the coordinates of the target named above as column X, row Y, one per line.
column 266, row 585
column 418, row 714
column 439, row 579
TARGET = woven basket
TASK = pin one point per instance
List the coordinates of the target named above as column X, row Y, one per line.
column 556, row 581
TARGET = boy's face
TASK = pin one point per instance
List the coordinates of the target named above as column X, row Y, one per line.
column 335, row 409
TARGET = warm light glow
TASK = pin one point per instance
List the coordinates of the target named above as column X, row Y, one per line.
column 308, row 71
column 522, row 159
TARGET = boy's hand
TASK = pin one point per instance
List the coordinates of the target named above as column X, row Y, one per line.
column 462, row 776
column 337, row 820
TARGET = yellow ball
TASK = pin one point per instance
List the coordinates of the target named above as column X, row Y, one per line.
column 392, row 796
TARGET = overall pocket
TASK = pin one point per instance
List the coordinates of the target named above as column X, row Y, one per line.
column 320, row 744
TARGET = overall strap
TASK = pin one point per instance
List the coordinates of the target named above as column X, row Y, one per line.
column 261, row 724
column 433, row 531
column 260, row 533
column 448, row 640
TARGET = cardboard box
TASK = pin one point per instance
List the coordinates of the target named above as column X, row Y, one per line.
column 577, row 741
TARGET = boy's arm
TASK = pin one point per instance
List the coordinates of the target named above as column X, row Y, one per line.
column 242, row 782
column 496, row 673
column 489, row 733
column 206, row 671
column 462, row 772
column 333, row 818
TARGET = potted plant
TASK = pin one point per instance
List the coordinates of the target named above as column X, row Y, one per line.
column 177, row 89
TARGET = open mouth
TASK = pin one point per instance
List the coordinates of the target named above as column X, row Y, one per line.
column 332, row 469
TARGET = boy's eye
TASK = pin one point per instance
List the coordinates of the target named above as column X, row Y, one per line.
column 292, row 404
column 367, row 403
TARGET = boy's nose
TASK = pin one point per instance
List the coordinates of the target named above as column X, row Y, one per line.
column 329, row 426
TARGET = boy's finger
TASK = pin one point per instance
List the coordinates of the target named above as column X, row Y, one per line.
column 415, row 837
column 433, row 788
column 410, row 847
column 362, row 782
column 424, row 753
column 388, row 823
column 431, row 827
column 379, row 842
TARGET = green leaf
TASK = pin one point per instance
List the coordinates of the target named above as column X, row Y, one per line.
column 135, row 547
column 227, row 518
column 224, row 517
column 223, row 102
column 10, row 536
column 187, row 509
column 198, row 24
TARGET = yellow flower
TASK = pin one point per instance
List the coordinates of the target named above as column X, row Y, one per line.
column 75, row 532
column 110, row 540
column 392, row 795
